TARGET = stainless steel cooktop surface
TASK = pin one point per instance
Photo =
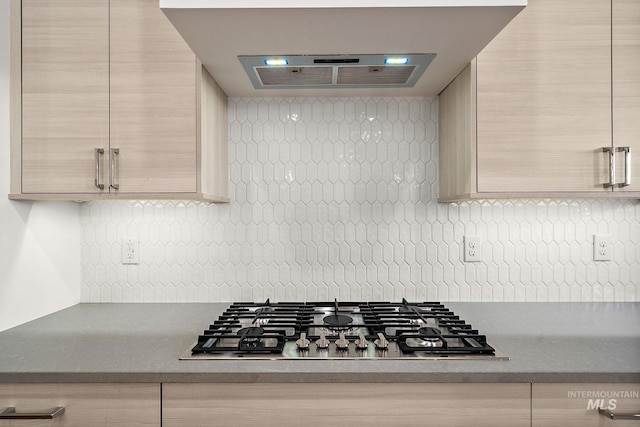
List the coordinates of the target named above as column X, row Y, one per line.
column 340, row 330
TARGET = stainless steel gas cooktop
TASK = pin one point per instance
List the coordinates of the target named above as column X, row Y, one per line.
column 340, row 330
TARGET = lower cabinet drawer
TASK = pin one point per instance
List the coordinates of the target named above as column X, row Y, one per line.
column 576, row 405
column 351, row 404
column 94, row 405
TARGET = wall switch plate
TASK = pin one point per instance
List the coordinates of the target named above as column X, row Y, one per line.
column 472, row 249
column 602, row 248
column 130, row 251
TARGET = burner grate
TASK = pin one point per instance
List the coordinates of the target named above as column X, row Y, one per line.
column 346, row 330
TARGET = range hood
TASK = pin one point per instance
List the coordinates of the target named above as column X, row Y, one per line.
column 334, row 71
column 234, row 39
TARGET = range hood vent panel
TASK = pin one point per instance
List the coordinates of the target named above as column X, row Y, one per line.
column 335, row 71
column 375, row 76
column 294, row 76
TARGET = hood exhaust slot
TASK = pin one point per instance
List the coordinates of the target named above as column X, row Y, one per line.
column 335, row 71
column 337, row 61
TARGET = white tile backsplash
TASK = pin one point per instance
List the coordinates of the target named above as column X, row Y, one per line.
column 336, row 198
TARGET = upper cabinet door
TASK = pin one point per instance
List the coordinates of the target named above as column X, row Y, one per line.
column 626, row 88
column 65, row 98
column 153, row 101
column 544, row 100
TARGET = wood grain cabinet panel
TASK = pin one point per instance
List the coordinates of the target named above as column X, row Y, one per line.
column 626, row 86
column 457, row 128
column 544, row 99
column 114, row 75
column 95, row 405
column 65, row 94
column 338, row 405
column 153, row 100
column 575, row 405
column 532, row 113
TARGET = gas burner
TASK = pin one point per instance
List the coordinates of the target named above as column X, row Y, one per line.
column 266, row 308
column 337, row 322
column 426, row 342
column 261, row 321
column 260, row 318
column 428, row 337
column 429, row 332
column 250, row 344
column 251, row 333
column 250, row 336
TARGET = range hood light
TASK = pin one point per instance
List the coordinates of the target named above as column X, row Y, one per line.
column 396, row 61
column 276, row 61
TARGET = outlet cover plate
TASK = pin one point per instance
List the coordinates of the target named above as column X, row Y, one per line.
column 130, row 251
column 472, row 251
column 602, row 248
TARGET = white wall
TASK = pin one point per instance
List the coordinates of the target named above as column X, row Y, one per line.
column 39, row 242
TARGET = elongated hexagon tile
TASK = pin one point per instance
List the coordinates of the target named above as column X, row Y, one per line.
column 336, row 198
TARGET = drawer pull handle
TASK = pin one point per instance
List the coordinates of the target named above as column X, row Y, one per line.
column 11, row 414
column 98, row 159
column 612, row 167
column 617, row 416
column 627, row 166
column 113, row 183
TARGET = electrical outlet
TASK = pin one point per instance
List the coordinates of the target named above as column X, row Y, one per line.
column 130, row 251
column 602, row 248
column 472, row 249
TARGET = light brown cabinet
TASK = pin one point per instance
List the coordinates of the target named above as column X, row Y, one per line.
column 626, row 84
column 576, row 405
column 350, row 404
column 153, row 100
column 96, row 405
column 65, row 94
column 530, row 116
column 321, row 404
column 114, row 105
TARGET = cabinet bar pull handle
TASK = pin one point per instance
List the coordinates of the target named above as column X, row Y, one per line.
column 99, row 152
column 627, row 166
column 612, row 415
column 612, row 167
column 11, row 414
column 112, row 168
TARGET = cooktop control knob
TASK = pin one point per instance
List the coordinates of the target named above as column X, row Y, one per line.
column 342, row 343
column 322, row 342
column 303, row 342
column 362, row 343
column 381, row 343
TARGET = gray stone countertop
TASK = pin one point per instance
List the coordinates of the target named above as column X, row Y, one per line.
column 546, row 342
